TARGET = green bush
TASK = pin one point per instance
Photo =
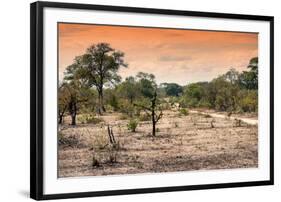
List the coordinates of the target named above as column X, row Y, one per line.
column 126, row 107
column 132, row 125
column 249, row 104
column 183, row 111
column 248, row 101
column 88, row 118
column 144, row 117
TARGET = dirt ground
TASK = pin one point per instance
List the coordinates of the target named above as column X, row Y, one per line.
column 182, row 143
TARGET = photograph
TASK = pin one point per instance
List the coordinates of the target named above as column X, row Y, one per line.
column 134, row 100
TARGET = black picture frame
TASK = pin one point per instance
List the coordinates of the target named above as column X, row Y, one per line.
column 36, row 98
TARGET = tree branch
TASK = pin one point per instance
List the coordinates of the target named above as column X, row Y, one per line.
column 143, row 107
column 159, row 116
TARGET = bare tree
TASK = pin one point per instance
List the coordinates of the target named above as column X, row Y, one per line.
column 154, row 111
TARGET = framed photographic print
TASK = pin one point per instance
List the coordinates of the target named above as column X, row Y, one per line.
column 136, row 100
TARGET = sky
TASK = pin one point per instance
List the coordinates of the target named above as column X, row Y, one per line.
column 172, row 55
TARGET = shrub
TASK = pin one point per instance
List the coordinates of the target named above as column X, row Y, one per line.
column 166, row 106
column 132, row 125
column 100, row 140
column 89, row 118
column 144, row 117
column 183, row 111
column 123, row 117
column 126, row 107
column 70, row 141
column 249, row 101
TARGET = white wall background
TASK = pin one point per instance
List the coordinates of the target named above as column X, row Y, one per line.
column 14, row 100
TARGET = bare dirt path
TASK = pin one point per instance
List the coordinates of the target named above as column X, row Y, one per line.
column 250, row 121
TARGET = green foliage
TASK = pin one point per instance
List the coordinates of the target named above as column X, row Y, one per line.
column 249, row 79
column 183, row 111
column 123, row 117
column 193, row 95
column 147, row 84
column 111, row 99
column 129, row 89
column 98, row 67
column 92, row 85
column 126, row 107
column 248, row 101
column 144, row 117
column 226, row 95
column 88, row 118
column 172, row 89
column 132, row 125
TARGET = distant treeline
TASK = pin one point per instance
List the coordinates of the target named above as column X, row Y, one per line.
column 92, row 85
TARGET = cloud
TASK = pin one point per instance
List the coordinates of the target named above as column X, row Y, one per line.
column 168, row 58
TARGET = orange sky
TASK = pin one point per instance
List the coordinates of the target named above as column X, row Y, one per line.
column 172, row 55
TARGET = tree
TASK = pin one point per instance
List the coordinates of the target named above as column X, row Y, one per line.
column 101, row 63
column 249, row 79
column 193, row 94
column 153, row 110
column 232, row 76
column 172, row 89
column 75, row 88
column 129, row 89
column 151, row 103
column 147, row 84
column 225, row 94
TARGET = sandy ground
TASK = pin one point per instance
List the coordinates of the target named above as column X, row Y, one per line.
column 182, row 143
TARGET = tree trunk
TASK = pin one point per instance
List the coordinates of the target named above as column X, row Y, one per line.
column 61, row 115
column 153, row 128
column 60, row 118
column 153, row 103
column 73, row 119
column 73, row 115
column 100, row 108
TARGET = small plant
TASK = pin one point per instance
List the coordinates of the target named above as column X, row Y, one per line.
column 157, row 130
column 183, row 111
column 237, row 122
column 132, row 125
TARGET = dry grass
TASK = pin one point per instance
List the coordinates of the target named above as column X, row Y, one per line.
column 182, row 143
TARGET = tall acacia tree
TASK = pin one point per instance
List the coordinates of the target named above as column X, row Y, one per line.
column 101, row 63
